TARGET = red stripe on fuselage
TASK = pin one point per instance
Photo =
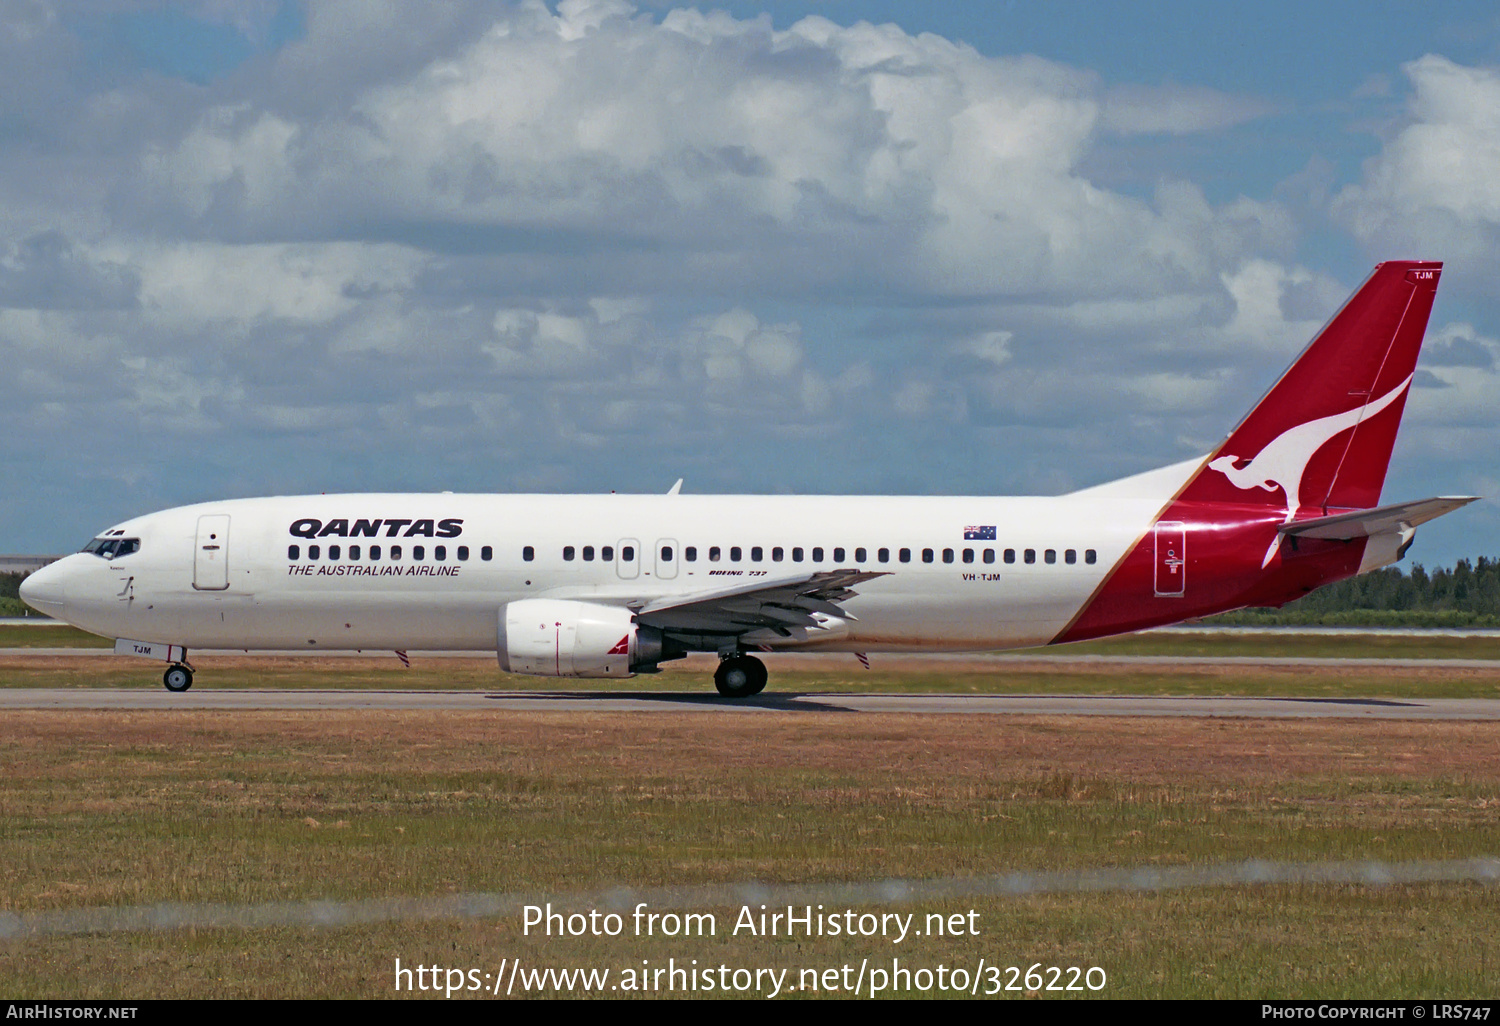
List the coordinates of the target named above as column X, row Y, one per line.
column 1225, row 546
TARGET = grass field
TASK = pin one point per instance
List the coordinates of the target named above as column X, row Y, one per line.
column 106, row 809
column 53, row 635
column 1316, row 646
column 1321, row 646
column 115, row 809
column 788, row 675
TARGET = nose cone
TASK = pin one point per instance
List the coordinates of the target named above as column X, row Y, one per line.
column 44, row 592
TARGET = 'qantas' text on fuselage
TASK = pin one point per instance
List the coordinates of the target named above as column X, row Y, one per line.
column 311, row 527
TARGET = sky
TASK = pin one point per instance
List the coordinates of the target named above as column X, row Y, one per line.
column 257, row 247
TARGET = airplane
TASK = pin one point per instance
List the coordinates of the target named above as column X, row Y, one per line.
column 615, row 585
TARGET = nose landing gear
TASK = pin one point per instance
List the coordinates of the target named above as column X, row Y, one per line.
column 740, row 676
column 179, row 677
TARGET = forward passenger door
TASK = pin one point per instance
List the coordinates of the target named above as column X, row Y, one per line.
column 211, row 557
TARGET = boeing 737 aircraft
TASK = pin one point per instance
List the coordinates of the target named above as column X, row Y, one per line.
column 614, row 585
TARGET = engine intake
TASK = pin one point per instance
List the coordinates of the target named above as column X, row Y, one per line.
column 564, row 638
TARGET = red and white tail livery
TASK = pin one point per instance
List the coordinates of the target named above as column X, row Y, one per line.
column 612, row 585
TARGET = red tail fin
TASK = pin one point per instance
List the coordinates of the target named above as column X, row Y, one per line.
column 1321, row 438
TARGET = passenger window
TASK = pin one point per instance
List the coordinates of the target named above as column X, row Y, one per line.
column 1010, row 555
column 968, row 555
column 757, row 554
column 440, row 552
column 859, row 556
column 1070, row 556
column 568, row 552
column 374, row 552
column 838, row 555
column 333, row 552
column 989, row 555
column 713, row 554
column 528, row 553
column 906, row 555
column 666, row 553
column 817, row 555
column 607, row 553
column 1090, row 556
column 885, row 555
column 312, row 552
column 1031, row 555
column 948, row 556
column 418, row 552
column 627, row 553
column 354, row 552
column 690, row 553
column 463, row 552
column 734, row 554
column 927, row 555
column 488, row 553
column 293, row 552
column 395, row 552
column 1050, row 555
column 777, row 554
column 588, row 553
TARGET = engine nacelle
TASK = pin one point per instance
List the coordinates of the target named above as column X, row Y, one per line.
column 564, row 638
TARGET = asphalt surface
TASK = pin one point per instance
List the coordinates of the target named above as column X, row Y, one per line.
column 147, row 698
column 792, row 660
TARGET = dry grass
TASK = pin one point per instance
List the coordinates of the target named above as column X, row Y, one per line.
column 125, row 808
column 890, row 674
column 1323, row 646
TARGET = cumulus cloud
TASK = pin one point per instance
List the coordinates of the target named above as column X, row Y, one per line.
column 491, row 247
column 1277, row 308
column 1462, row 384
column 1433, row 185
column 859, row 157
column 1177, row 109
column 48, row 270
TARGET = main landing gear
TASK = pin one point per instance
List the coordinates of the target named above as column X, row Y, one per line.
column 740, row 676
column 179, row 677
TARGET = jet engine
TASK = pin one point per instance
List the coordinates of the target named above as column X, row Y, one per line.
column 564, row 638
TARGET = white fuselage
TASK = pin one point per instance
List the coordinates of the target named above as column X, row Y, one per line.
column 226, row 575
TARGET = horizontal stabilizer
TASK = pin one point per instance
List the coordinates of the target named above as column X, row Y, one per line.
column 1367, row 522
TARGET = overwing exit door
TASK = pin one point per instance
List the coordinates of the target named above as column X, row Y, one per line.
column 666, row 558
column 628, row 558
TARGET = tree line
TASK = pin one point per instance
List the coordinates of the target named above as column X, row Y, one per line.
column 1466, row 595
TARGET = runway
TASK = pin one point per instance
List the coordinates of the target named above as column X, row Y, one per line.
column 770, row 703
column 1029, row 659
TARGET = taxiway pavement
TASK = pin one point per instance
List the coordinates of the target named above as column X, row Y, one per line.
column 769, row 703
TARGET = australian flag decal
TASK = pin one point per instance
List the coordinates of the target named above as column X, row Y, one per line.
column 985, row 533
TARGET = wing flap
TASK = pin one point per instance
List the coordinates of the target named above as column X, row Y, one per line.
column 776, row 603
column 1366, row 522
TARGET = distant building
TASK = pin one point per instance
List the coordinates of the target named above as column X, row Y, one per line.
column 24, row 564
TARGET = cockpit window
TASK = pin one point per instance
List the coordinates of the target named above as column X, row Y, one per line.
column 109, row 548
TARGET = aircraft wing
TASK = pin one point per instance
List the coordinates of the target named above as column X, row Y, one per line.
column 775, row 603
column 1365, row 522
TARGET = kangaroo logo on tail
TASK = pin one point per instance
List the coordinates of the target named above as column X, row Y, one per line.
column 1284, row 460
